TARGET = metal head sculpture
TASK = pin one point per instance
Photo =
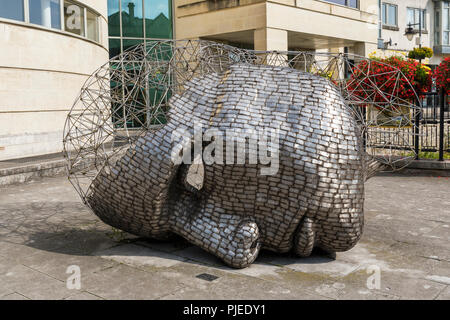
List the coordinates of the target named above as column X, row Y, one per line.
column 234, row 150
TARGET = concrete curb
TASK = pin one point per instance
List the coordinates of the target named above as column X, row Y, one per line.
column 27, row 169
column 430, row 164
column 27, row 172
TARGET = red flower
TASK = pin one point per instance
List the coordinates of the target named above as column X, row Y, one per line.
column 442, row 75
column 383, row 74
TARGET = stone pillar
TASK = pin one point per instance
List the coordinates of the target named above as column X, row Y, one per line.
column 364, row 48
column 268, row 39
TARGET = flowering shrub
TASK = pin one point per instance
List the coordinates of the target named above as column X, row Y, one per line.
column 420, row 53
column 442, row 75
column 382, row 73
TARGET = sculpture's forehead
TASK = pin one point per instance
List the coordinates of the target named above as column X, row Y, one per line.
column 261, row 78
column 262, row 94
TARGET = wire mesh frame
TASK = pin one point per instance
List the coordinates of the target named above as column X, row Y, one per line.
column 129, row 95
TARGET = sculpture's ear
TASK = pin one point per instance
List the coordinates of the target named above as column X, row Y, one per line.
column 372, row 166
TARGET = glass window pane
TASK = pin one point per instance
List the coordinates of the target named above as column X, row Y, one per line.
column 128, row 43
column 446, row 38
column 132, row 25
column 445, row 19
column 74, row 18
column 46, row 13
column 392, row 16
column 416, row 18
column 437, row 19
column 12, row 9
column 410, row 16
column 424, row 17
column 384, row 9
column 114, row 47
column 353, row 3
column 341, row 2
column 113, row 18
column 158, row 19
column 92, row 25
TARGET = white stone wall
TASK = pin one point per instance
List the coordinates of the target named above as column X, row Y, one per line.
column 41, row 73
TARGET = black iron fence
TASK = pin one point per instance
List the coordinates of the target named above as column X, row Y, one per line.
column 428, row 136
column 433, row 125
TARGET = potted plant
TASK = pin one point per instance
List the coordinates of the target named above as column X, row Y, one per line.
column 420, row 53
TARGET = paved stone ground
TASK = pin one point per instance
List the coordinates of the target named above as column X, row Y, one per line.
column 44, row 228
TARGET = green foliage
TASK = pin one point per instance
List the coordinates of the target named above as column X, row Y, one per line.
column 422, row 75
column 116, row 234
column 428, row 155
column 420, row 53
column 433, row 155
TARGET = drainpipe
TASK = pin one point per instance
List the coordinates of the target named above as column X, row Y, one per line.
column 380, row 25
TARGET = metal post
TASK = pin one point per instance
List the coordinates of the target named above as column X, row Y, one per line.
column 419, row 105
column 420, row 31
column 417, row 129
column 364, row 136
column 441, row 125
column 420, row 28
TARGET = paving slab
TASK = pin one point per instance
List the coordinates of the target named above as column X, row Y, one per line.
column 14, row 296
column 56, row 264
column 229, row 285
column 175, row 244
column 83, row 295
column 33, row 284
column 444, row 294
column 139, row 256
column 126, row 282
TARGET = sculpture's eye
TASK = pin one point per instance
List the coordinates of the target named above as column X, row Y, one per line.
column 195, row 174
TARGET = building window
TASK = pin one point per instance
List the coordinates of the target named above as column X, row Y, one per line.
column 131, row 22
column 157, row 19
column 348, row 3
column 73, row 18
column 437, row 27
column 389, row 14
column 445, row 23
column 413, row 17
column 46, row 13
column 66, row 15
column 114, row 18
column 132, row 18
column 92, row 28
column 12, row 9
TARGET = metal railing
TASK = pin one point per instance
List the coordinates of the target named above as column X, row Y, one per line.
column 433, row 124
